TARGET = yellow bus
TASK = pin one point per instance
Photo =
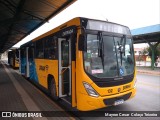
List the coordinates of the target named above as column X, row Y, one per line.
column 87, row 63
column 13, row 58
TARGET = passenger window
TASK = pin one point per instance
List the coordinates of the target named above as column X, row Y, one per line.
column 39, row 49
column 50, row 48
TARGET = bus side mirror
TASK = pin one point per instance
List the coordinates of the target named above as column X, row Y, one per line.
column 82, row 43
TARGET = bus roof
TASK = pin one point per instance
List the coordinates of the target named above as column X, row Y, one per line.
column 75, row 21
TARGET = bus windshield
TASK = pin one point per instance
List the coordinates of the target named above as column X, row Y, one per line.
column 116, row 59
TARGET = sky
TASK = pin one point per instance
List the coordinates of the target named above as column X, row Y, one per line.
column 131, row 13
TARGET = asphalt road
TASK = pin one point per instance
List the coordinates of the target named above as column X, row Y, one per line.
column 146, row 99
column 148, row 93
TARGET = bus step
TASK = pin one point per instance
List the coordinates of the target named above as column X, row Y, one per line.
column 67, row 99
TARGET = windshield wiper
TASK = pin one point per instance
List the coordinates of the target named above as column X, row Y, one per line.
column 101, row 47
column 121, row 47
column 124, row 44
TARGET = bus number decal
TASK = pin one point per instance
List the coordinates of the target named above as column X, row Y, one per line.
column 126, row 87
column 110, row 90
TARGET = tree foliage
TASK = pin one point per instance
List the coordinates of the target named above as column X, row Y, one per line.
column 157, row 52
column 144, row 51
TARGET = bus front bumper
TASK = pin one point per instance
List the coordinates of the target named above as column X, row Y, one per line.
column 92, row 103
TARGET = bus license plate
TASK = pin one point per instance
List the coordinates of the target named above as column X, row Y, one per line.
column 121, row 101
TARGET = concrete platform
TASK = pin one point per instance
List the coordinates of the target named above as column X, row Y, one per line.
column 18, row 95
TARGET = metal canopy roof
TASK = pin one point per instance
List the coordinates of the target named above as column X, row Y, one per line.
column 18, row 18
column 146, row 34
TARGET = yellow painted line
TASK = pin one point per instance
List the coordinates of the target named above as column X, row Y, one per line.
column 148, row 84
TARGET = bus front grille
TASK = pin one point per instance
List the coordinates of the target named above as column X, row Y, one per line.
column 111, row 101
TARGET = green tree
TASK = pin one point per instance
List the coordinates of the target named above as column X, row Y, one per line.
column 158, row 49
column 144, row 52
column 139, row 57
column 154, row 52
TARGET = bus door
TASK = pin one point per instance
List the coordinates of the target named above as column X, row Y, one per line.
column 27, row 63
column 31, row 62
column 22, row 61
column 64, row 48
column 19, row 60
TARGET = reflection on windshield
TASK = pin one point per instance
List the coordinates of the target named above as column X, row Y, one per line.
column 112, row 57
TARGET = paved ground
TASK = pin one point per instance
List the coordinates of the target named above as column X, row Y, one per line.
column 17, row 94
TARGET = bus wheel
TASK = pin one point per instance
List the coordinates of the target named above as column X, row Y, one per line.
column 52, row 90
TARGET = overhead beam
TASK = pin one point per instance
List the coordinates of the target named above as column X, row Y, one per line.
column 11, row 4
column 32, row 20
column 7, row 5
column 150, row 37
column 28, row 13
column 16, row 16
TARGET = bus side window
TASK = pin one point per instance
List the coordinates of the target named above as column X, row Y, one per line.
column 31, row 53
column 51, row 53
column 23, row 53
column 39, row 49
column 46, row 48
column 49, row 48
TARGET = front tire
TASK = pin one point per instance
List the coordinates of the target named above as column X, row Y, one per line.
column 52, row 90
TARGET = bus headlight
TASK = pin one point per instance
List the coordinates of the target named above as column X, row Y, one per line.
column 90, row 90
